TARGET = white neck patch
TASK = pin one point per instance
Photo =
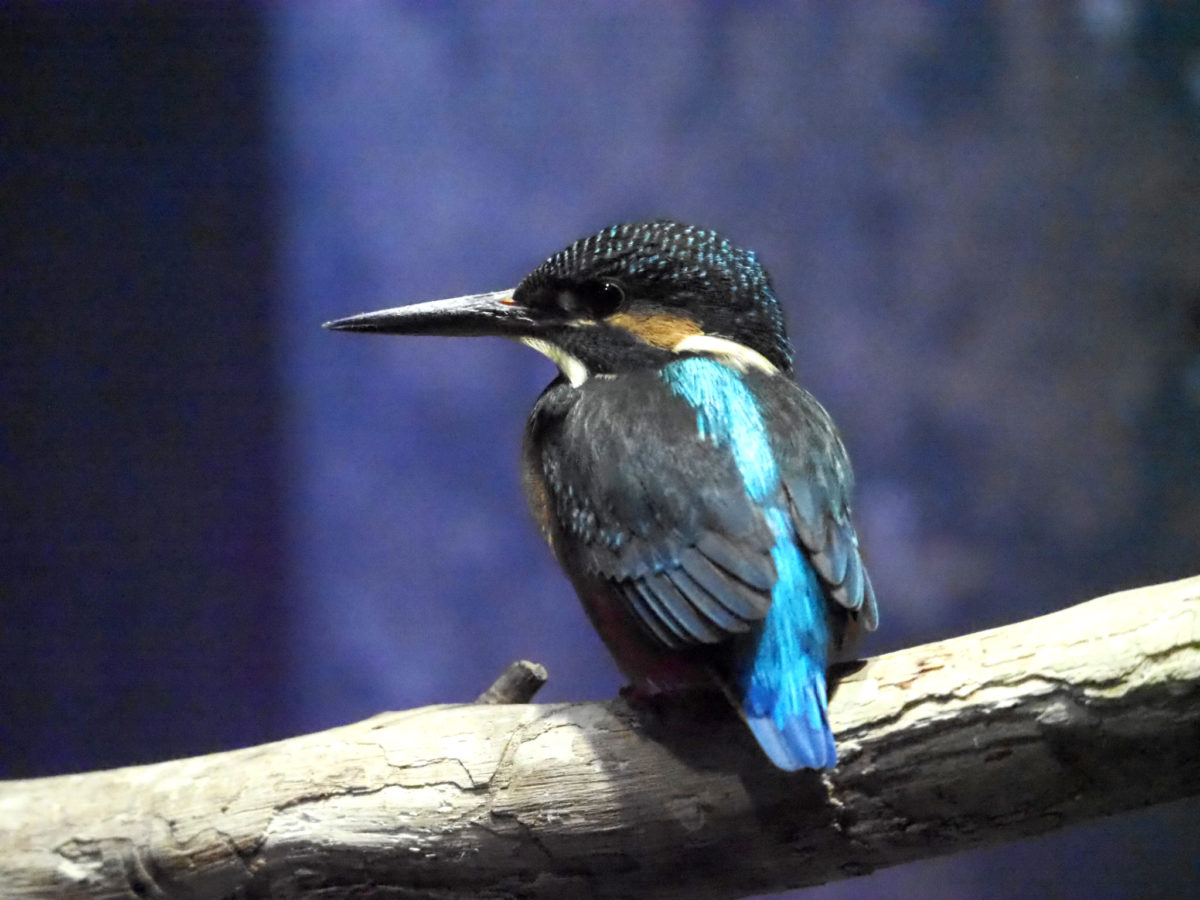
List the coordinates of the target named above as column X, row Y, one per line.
column 737, row 355
column 574, row 370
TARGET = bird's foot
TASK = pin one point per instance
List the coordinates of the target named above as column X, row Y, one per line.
column 658, row 704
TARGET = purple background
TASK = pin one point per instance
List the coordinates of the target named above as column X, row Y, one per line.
column 224, row 525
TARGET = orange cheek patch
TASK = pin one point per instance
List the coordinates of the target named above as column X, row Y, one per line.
column 658, row 329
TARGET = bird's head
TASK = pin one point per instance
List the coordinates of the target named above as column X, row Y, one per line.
column 628, row 297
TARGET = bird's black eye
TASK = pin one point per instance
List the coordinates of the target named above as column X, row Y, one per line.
column 600, row 298
column 591, row 299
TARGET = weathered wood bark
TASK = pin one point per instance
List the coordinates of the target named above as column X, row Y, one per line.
column 975, row 740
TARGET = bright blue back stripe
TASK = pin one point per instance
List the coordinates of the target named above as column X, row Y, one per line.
column 783, row 685
column 727, row 414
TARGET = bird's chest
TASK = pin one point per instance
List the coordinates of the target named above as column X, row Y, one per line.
column 558, row 483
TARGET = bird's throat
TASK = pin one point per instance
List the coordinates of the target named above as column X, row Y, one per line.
column 572, row 368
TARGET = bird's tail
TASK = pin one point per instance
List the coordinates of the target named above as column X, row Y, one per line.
column 782, row 680
column 790, row 721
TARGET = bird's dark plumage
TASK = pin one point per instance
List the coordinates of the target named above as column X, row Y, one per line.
column 697, row 498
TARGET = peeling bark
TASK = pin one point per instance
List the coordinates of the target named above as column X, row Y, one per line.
column 980, row 739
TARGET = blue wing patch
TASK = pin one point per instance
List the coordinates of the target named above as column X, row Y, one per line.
column 782, row 680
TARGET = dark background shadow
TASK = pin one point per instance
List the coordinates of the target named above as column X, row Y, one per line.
column 221, row 525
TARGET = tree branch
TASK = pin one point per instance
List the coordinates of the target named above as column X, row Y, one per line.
column 516, row 684
column 975, row 740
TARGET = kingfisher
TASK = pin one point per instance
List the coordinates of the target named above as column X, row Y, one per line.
column 696, row 497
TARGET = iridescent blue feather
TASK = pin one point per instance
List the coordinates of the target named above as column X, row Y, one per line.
column 782, row 679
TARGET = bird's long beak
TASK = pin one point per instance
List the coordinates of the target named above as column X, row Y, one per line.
column 475, row 315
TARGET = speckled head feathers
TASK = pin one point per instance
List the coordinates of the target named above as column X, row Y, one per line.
column 674, row 267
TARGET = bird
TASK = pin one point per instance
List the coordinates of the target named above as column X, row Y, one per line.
column 696, row 497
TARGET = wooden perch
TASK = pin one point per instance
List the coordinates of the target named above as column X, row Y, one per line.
column 975, row 740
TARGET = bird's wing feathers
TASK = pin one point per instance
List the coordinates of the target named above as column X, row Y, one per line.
column 657, row 512
column 662, row 515
column 818, row 481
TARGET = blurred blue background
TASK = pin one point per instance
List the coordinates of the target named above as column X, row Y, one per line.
column 222, row 525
